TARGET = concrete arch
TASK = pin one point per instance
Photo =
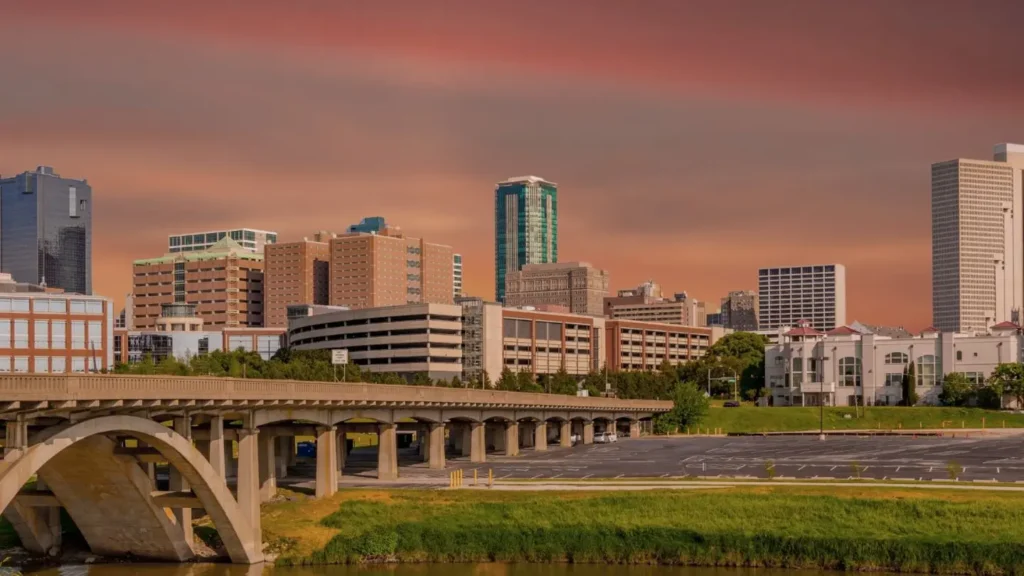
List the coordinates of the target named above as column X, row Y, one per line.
column 211, row 490
column 626, row 416
column 317, row 416
column 379, row 415
column 530, row 415
column 424, row 415
column 470, row 415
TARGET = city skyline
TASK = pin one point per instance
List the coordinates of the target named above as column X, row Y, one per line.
column 737, row 158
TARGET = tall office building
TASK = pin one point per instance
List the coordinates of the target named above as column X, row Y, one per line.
column 789, row 295
column 46, row 230
column 369, row 270
column 646, row 303
column 577, row 287
column 739, row 311
column 457, row 274
column 248, row 238
column 978, row 241
column 296, row 273
column 525, row 226
column 224, row 282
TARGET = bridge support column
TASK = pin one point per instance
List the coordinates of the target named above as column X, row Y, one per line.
column 588, row 432
column 565, row 433
column 540, row 437
column 215, row 451
column 268, row 467
column 634, row 428
column 435, row 445
column 249, row 481
column 512, row 438
column 423, row 442
column 342, row 449
column 38, row 528
column 284, row 444
column 387, row 452
column 16, row 439
column 182, row 516
column 326, row 461
column 477, row 442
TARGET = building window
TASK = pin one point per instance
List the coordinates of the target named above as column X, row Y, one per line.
column 41, row 365
column 243, row 342
column 849, row 371
column 58, row 365
column 78, row 364
column 896, row 358
column 95, row 335
column 928, row 370
column 5, row 333
column 41, row 335
column 21, row 333
column 5, row 363
column 894, row 379
column 77, row 335
column 93, row 307
column 19, row 305
column 975, row 378
column 59, row 339
column 21, row 363
column 959, row 355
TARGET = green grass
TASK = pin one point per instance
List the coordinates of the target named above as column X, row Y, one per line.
column 752, row 419
column 776, row 527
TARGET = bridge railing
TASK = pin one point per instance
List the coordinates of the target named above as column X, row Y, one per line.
column 85, row 387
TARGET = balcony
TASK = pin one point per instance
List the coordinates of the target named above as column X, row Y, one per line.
column 817, row 387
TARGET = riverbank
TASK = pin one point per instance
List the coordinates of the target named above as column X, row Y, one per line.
column 751, row 420
column 902, row 530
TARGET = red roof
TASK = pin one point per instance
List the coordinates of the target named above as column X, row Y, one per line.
column 842, row 331
column 1006, row 326
column 804, row 331
column 930, row 329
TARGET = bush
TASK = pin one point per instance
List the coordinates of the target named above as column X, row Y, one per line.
column 957, row 390
column 663, row 424
column 691, row 405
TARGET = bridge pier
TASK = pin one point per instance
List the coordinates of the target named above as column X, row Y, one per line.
column 248, row 488
column 511, row 438
column 215, row 450
column 634, row 428
column 268, row 467
column 387, row 452
column 540, row 436
column 435, row 445
column 588, row 432
column 477, row 442
column 182, row 516
column 326, row 461
column 565, row 433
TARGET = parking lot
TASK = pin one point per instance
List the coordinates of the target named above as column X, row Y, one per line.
column 838, row 457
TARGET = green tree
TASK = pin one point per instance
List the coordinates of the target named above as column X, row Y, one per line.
column 526, row 383
column 957, row 390
column 909, row 385
column 421, row 379
column 690, row 405
column 990, row 396
column 507, row 381
column 562, row 383
column 457, row 382
column 1009, row 379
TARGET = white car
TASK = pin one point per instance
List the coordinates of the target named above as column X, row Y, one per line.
column 605, row 438
column 575, row 439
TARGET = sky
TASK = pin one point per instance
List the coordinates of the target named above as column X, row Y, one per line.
column 692, row 142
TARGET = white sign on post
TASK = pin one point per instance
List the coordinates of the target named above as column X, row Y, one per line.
column 339, row 357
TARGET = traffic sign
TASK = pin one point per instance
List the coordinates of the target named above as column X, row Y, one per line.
column 339, row 357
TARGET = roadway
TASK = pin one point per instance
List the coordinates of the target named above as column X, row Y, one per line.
column 878, row 457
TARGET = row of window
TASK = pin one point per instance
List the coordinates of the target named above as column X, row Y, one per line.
column 45, row 364
column 51, row 305
column 14, row 334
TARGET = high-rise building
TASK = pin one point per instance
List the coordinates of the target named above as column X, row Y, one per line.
column 525, row 226
column 646, row 303
column 248, row 238
column 46, row 230
column 978, row 241
column 225, row 282
column 739, row 310
column 457, row 274
column 578, row 287
column 369, row 270
column 296, row 273
column 794, row 294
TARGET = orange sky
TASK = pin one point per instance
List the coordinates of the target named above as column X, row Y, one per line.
column 693, row 142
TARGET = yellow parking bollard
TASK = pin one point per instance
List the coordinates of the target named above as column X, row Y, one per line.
column 490, row 477
column 475, row 480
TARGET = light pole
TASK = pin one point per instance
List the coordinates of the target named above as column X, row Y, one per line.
column 821, row 405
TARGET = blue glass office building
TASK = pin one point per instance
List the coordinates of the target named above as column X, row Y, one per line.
column 46, row 230
column 525, row 226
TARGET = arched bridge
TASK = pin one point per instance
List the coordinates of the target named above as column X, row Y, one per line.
column 92, row 441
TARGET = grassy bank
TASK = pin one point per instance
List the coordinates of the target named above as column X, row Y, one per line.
column 790, row 419
column 855, row 529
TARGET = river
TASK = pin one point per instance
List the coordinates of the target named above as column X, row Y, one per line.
column 409, row 570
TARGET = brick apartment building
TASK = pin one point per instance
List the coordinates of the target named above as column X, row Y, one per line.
column 296, row 273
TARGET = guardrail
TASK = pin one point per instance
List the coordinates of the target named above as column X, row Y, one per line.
column 85, row 387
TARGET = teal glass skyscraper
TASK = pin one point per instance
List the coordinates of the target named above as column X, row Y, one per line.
column 525, row 226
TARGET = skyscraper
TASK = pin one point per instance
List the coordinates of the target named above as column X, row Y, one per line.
column 739, row 310
column 525, row 226
column 791, row 294
column 46, row 230
column 457, row 274
column 978, row 241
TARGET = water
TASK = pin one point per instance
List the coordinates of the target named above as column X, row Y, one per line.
column 409, row 570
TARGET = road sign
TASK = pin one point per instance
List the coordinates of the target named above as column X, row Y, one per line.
column 339, row 357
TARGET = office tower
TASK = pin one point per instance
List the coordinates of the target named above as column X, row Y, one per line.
column 577, row 287
column 296, row 273
column 815, row 294
column 978, row 241
column 46, row 230
column 646, row 303
column 525, row 226
column 368, row 270
column 739, row 310
column 248, row 238
column 457, row 274
column 225, row 282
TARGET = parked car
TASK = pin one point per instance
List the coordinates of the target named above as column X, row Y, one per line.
column 731, row 404
column 575, row 439
column 306, row 450
column 605, row 438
